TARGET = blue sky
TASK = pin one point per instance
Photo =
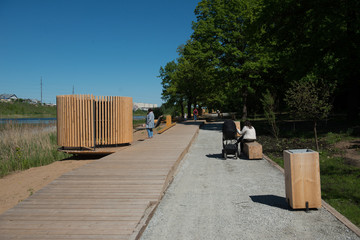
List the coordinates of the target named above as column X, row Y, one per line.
column 101, row 47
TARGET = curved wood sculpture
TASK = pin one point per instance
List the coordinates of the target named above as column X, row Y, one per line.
column 85, row 121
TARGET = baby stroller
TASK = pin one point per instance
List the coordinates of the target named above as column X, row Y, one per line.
column 230, row 144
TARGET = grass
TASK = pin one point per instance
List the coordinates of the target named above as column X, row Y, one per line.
column 340, row 182
column 140, row 113
column 340, row 185
column 138, row 122
column 24, row 146
column 20, row 109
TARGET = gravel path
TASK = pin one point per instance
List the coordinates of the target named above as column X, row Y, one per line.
column 212, row 198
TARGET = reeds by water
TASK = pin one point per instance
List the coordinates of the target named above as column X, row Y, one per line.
column 23, row 146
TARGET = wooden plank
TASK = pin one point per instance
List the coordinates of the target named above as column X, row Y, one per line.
column 116, row 113
column 73, row 121
column 67, row 231
column 41, row 235
column 57, row 119
column 91, row 121
column 68, row 122
column 106, row 120
column 103, row 121
column 82, row 121
column 86, row 117
column 97, row 121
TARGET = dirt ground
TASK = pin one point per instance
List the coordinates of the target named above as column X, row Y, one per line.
column 18, row 186
column 351, row 151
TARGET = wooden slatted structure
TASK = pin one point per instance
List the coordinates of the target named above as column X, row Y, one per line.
column 85, row 121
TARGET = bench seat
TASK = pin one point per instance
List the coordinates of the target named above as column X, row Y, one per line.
column 253, row 150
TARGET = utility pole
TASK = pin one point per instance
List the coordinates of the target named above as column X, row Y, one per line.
column 73, row 90
column 41, row 88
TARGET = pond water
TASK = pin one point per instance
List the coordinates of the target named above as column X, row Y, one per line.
column 42, row 120
column 28, row 120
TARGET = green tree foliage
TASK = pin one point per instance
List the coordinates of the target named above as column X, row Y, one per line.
column 170, row 83
column 240, row 48
column 309, row 99
column 225, row 35
column 316, row 36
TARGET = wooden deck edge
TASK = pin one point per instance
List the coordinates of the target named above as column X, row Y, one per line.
column 327, row 206
column 166, row 128
column 140, row 228
column 174, row 168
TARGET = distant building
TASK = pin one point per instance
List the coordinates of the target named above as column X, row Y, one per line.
column 8, row 97
column 143, row 106
column 32, row 101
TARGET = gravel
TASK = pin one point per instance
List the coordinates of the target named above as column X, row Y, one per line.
column 213, row 198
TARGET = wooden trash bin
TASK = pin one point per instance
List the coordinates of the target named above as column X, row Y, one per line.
column 302, row 178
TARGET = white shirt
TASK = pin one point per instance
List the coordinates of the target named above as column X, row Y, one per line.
column 249, row 133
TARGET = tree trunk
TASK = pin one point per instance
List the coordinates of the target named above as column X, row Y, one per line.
column 182, row 108
column 200, row 110
column 244, row 110
column 189, row 109
column 316, row 138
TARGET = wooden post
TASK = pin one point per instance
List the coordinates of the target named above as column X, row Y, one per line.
column 168, row 120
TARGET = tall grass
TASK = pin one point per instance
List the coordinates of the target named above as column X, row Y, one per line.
column 23, row 146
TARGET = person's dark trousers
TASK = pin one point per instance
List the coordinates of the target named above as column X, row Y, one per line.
column 242, row 141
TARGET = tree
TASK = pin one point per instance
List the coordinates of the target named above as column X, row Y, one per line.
column 170, row 83
column 309, row 99
column 268, row 103
column 316, row 36
column 227, row 41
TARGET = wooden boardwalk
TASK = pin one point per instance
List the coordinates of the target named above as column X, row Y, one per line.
column 111, row 198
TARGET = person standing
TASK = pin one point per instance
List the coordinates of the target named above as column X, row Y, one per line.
column 195, row 112
column 150, row 122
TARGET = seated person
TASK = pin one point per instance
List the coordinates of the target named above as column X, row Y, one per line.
column 248, row 134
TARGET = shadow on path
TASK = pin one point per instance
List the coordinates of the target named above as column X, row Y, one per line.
column 215, row 155
column 271, row 200
column 212, row 127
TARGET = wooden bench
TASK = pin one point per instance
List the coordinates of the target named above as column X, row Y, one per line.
column 253, row 150
column 169, row 124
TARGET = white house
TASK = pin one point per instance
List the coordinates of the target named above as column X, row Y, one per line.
column 7, row 97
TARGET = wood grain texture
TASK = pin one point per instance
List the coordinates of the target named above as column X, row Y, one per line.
column 85, row 121
column 302, row 179
column 111, row 198
column 253, row 150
